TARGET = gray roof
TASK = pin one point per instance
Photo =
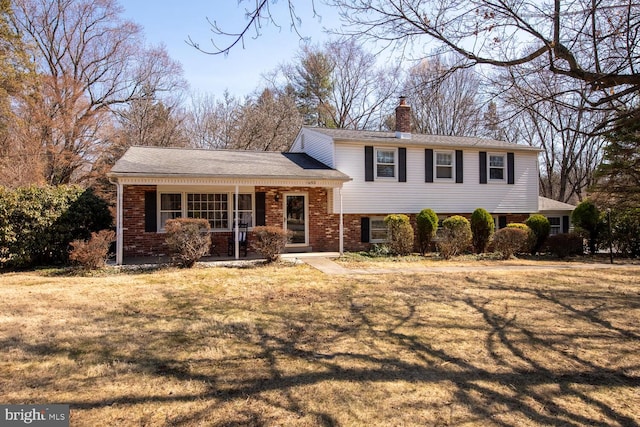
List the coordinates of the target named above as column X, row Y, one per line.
column 418, row 139
column 545, row 204
column 185, row 162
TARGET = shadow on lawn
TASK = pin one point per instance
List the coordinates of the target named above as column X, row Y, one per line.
column 514, row 378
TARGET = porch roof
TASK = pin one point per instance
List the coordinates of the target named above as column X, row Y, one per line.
column 546, row 205
column 200, row 163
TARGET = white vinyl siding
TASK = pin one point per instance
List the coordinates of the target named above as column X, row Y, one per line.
column 385, row 196
column 317, row 145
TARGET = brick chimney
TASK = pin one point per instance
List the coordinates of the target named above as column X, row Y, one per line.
column 403, row 120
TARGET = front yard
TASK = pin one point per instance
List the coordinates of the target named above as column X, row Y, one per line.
column 287, row 345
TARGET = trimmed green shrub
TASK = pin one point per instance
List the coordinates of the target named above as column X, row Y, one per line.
column 399, row 234
column 188, row 240
column 270, row 242
column 507, row 241
column 528, row 244
column 455, row 236
column 92, row 254
column 37, row 224
column 482, row 227
column 427, row 223
column 626, row 232
column 540, row 226
column 564, row 245
column 588, row 220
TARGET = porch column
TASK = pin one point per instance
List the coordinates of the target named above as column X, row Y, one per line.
column 341, row 232
column 119, row 239
column 235, row 223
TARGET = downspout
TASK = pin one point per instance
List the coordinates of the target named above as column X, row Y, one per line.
column 341, row 232
column 235, row 221
column 119, row 236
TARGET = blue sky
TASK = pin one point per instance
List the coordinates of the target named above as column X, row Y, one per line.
column 171, row 22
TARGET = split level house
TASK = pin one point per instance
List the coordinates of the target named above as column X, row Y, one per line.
column 332, row 189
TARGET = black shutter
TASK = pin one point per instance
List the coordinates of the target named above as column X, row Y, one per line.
column 428, row 165
column 368, row 163
column 483, row 167
column 150, row 212
column 459, row 170
column 510, row 169
column 261, row 209
column 565, row 224
column 364, row 229
column 402, row 164
column 502, row 221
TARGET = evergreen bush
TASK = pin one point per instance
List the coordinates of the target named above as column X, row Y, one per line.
column 399, row 234
column 427, row 223
column 540, row 226
column 37, row 224
column 482, row 227
column 455, row 236
column 588, row 220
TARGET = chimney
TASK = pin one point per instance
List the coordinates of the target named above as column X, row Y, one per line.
column 403, row 120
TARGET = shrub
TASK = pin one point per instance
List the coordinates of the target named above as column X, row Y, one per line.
column 564, row 245
column 399, row 234
column 427, row 223
column 540, row 226
column 625, row 230
column 188, row 240
column 92, row 254
column 270, row 242
column 38, row 223
column 482, row 227
column 455, row 236
column 528, row 243
column 507, row 241
column 588, row 219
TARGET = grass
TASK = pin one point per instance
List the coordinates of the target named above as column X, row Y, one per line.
column 287, row 345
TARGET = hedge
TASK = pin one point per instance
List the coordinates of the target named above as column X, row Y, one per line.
column 37, row 224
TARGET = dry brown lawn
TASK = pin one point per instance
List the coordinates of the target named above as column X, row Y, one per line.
column 287, row 345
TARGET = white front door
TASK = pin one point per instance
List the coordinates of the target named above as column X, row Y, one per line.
column 295, row 218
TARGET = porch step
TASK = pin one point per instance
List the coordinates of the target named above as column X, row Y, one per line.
column 298, row 250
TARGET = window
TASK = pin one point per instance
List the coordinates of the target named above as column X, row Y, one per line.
column 556, row 225
column 385, row 163
column 444, row 165
column 378, row 230
column 245, row 208
column 170, row 207
column 212, row 207
column 496, row 167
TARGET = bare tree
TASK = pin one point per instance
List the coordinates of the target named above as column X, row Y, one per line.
column 561, row 124
column 444, row 103
column 90, row 62
column 589, row 42
column 211, row 123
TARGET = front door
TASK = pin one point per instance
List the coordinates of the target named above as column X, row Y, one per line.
column 296, row 219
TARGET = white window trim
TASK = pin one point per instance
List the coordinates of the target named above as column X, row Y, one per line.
column 504, row 168
column 184, row 210
column 395, row 164
column 371, row 239
column 453, row 165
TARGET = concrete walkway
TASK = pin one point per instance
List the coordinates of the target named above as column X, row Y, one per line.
column 330, row 267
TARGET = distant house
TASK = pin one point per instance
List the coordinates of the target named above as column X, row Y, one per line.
column 331, row 190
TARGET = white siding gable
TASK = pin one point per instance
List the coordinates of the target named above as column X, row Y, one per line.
column 385, row 196
column 315, row 144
